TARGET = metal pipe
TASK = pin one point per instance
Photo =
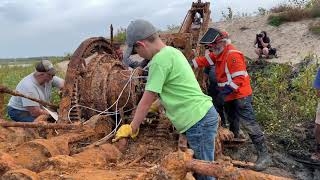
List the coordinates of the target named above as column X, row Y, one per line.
column 5, row 123
column 6, row 90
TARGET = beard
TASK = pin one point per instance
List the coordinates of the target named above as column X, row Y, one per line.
column 217, row 51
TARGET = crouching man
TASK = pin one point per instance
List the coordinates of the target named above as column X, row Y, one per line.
column 37, row 85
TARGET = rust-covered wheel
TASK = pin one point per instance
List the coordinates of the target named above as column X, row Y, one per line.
column 95, row 79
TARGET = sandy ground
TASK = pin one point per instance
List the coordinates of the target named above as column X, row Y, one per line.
column 293, row 40
column 62, row 66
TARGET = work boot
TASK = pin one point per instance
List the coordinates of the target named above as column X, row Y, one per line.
column 264, row 160
column 240, row 135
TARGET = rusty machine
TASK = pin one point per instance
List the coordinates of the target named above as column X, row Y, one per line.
column 101, row 93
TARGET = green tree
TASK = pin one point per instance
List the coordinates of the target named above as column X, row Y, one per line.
column 120, row 36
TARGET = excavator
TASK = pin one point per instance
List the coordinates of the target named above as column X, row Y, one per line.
column 100, row 94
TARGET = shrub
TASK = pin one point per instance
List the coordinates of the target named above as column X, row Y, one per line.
column 315, row 10
column 276, row 20
column 315, row 28
column 295, row 11
column 261, row 11
column 229, row 14
column 120, row 36
column 280, row 8
column 284, row 97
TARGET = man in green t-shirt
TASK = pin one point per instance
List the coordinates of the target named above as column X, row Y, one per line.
column 170, row 75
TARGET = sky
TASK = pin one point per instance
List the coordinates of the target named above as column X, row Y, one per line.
column 31, row 28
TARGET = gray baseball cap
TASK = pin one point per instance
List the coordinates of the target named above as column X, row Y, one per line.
column 45, row 66
column 137, row 30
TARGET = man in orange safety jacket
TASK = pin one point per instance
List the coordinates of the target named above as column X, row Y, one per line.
column 235, row 92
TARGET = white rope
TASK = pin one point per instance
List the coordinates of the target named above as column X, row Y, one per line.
column 116, row 112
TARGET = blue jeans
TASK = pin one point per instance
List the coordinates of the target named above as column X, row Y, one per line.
column 241, row 111
column 19, row 115
column 201, row 138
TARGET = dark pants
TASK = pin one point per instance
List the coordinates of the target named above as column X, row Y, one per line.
column 213, row 93
column 241, row 111
column 19, row 115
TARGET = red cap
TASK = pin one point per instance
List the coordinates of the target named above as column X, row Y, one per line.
column 222, row 35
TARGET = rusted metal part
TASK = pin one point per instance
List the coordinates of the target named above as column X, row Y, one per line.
column 7, row 163
column 242, row 164
column 76, row 68
column 192, row 35
column 162, row 128
column 96, row 81
column 6, row 90
column 42, row 118
column 177, row 164
column 182, row 142
column 91, row 46
column 107, row 81
column 181, row 41
column 20, row 174
column 204, row 10
column 40, row 125
column 227, row 171
column 111, row 34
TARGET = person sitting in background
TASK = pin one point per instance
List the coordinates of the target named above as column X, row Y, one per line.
column 316, row 155
column 37, row 85
column 262, row 44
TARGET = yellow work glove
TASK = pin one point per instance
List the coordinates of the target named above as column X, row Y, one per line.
column 125, row 131
column 154, row 108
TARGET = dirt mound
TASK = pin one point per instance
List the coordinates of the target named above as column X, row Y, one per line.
column 293, row 40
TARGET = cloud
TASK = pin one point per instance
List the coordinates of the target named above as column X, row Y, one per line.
column 54, row 27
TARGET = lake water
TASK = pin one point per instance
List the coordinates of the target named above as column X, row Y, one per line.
column 15, row 65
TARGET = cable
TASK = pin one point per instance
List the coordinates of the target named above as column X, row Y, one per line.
column 116, row 112
column 106, row 110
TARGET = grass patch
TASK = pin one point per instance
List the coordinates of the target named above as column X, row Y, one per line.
column 280, row 8
column 294, row 12
column 275, row 20
column 284, row 97
column 315, row 28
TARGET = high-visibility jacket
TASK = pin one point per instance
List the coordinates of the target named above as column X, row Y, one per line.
column 230, row 69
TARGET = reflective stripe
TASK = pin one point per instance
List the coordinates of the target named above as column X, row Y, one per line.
column 233, row 85
column 231, row 51
column 209, row 59
column 195, row 64
column 229, row 76
column 239, row 73
column 222, row 84
column 226, row 69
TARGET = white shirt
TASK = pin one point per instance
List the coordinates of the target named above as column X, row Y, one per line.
column 30, row 87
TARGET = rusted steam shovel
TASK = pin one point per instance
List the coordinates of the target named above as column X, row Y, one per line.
column 177, row 164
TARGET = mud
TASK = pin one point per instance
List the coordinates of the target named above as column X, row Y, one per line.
column 96, row 78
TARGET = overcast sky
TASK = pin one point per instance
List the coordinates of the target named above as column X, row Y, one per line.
column 31, row 28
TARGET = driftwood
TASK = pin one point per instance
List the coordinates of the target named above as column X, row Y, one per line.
column 39, row 125
column 6, row 90
column 177, row 164
column 228, row 172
